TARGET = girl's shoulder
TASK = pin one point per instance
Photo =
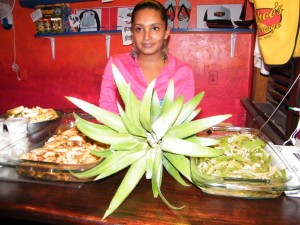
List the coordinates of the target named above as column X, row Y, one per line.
column 176, row 63
column 124, row 58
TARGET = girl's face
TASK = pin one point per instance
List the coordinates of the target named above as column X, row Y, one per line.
column 149, row 32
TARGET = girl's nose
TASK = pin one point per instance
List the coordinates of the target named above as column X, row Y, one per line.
column 147, row 34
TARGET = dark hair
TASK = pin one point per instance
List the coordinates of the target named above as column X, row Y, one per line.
column 150, row 4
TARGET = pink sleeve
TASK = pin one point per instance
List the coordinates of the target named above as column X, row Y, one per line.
column 108, row 90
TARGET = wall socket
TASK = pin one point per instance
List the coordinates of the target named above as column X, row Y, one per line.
column 212, row 77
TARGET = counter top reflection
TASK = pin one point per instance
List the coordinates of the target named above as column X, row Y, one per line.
column 86, row 204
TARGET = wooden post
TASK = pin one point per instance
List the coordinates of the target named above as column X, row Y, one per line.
column 259, row 86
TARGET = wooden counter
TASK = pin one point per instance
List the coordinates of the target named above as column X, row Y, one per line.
column 86, row 205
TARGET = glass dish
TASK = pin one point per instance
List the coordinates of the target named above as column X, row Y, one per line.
column 16, row 125
column 245, row 187
column 33, row 127
column 53, row 171
column 10, row 156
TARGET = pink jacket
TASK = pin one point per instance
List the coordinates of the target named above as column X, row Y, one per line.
column 180, row 72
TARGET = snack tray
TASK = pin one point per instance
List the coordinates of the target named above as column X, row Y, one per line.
column 243, row 187
column 10, row 156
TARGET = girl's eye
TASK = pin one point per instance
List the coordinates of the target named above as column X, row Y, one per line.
column 155, row 28
column 138, row 29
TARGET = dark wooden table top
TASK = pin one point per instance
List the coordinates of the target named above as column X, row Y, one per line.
column 55, row 204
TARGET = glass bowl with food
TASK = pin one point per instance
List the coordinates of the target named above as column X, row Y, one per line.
column 250, row 166
column 52, row 153
column 38, row 117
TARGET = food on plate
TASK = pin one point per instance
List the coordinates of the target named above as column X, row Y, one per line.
column 68, row 147
column 244, row 157
column 35, row 114
column 15, row 111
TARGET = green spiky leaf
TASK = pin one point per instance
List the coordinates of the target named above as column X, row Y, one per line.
column 131, row 179
column 108, row 118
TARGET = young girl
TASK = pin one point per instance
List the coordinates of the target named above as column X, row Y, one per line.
column 148, row 59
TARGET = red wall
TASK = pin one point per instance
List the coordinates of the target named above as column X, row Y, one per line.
column 80, row 60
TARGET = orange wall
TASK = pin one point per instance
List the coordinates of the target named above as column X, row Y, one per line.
column 80, row 61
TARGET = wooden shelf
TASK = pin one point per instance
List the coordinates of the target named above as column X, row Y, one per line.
column 188, row 30
column 33, row 3
column 103, row 32
column 213, row 30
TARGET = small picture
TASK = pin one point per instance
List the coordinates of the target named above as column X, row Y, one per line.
column 124, row 15
column 90, row 19
column 126, row 32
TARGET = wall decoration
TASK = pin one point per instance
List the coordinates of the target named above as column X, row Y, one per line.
column 124, row 24
column 170, row 6
column 126, row 32
column 223, row 14
column 104, row 18
column 74, row 22
column 90, row 19
column 184, row 12
column 124, row 14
